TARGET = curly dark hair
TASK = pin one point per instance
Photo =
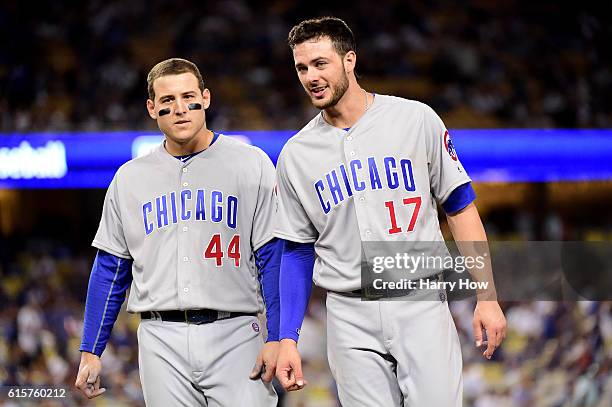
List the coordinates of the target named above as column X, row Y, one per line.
column 334, row 28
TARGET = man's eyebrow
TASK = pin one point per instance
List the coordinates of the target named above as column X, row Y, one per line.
column 189, row 92
column 312, row 61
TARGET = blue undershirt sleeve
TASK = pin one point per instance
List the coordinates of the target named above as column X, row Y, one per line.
column 295, row 286
column 461, row 197
column 268, row 260
column 110, row 278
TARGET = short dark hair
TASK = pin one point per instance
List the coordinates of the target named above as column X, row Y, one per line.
column 336, row 29
column 172, row 66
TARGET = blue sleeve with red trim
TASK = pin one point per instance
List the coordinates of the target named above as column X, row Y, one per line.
column 110, row 278
column 295, row 286
column 461, row 197
column 268, row 260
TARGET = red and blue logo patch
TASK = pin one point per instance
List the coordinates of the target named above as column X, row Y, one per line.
column 448, row 144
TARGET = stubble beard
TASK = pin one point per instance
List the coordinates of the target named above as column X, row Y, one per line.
column 337, row 92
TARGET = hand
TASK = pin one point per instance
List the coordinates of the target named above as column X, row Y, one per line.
column 488, row 320
column 88, row 378
column 265, row 365
column 289, row 366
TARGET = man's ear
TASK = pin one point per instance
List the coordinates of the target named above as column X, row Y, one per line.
column 205, row 98
column 350, row 60
column 151, row 109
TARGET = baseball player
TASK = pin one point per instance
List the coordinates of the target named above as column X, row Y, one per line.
column 189, row 227
column 370, row 168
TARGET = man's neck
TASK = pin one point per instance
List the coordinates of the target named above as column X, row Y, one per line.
column 197, row 144
column 349, row 109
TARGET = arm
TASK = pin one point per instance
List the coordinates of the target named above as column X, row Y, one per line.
column 268, row 259
column 471, row 239
column 295, row 288
column 451, row 186
column 109, row 280
column 295, row 225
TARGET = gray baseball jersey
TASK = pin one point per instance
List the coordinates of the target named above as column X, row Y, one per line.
column 378, row 181
column 191, row 227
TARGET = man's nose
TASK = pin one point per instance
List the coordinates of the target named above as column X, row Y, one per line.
column 312, row 76
column 181, row 107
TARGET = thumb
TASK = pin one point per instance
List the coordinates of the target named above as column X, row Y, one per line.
column 297, row 372
column 92, row 376
column 477, row 326
column 257, row 369
column 81, row 378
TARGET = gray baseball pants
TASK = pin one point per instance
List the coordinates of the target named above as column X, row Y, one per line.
column 202, row 365
column 394, row 353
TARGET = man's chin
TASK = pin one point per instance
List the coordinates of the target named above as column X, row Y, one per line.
column 322, row 103
column 180, row 138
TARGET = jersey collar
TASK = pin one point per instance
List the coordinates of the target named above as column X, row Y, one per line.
column 187, row 157
column 344, row 131
column 161, row 150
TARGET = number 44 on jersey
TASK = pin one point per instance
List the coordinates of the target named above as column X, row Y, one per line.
column 214, row 250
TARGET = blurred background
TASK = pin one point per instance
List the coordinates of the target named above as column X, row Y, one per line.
column 80, row 67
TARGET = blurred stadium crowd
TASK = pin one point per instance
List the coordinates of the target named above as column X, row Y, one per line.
column 557, row 354
column 83, row 65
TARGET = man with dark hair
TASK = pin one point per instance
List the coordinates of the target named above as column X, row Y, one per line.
column 371, row 168
column 191, row 232
column 335, row 29
column 172, row 66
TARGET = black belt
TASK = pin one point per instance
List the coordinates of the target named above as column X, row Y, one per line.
column 371, row 293
column 193, row 316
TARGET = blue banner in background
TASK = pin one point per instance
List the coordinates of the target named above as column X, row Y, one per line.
column 534, row 155
column 89, row 160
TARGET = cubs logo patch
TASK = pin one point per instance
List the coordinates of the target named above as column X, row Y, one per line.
column 255, row 326
column 448, row 144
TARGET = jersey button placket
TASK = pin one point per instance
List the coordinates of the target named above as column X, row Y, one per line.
column 361, row 210
column 349, row 146
column 184, row 176
column 184, row 266
column 350, row 154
